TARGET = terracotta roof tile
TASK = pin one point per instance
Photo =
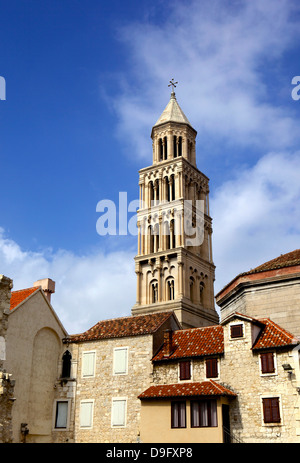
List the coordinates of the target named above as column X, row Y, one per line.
column 205, row 388
column 19, row 296
column 284, row 260
column 194, row 342
column 273, row 335
column 125, row 326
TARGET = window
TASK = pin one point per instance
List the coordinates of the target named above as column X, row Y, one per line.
column 120, row 360
column 212, row 368
column 170, row 290
column 236, row 331
column 267, row 363
column 271, row 410
column 204, row 413
column 88, row 364
column 61, row 414
column 178, row 415
column 66, row 365
column 86, row 413
column 154, row 291
column 185, row 370
column 118, row 412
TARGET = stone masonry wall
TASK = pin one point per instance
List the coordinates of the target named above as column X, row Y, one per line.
column 105, row 386
column 6, row 383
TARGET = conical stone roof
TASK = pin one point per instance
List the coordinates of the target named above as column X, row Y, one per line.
column 173, row 113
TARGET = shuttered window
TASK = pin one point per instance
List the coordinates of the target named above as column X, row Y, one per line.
column 185, row 369
column 271, row 410
column 236, row 331
column 212, row 368
column 267, row 363
column 88, row 364
column 86, row 413
column 120, row 361
column 118, row 412
column 178, row 415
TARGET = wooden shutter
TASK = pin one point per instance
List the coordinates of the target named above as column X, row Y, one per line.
column 185, row 369
column 236, row 331
column 118, row 412
column 267, row 362
column 271, row 410
column 212, row 368
column 120, row 361
column 88, row 364
column 86, row 414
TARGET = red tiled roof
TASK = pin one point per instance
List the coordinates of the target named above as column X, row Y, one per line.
column 124, row 326
column 281, row 265
column 194, row 342
column 273, row 336
column 206, row 388
column 284, row 260
column 19, row 296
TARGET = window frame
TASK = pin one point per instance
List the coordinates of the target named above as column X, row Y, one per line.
column 179, row 425
column 85, row 401
column 209, row 412
column 268, row 373
column 233, row 325
column 217, row 367
column 114, row 400
column 125, row 348
column 180, row 370
column 277, row 397
column 55, row 410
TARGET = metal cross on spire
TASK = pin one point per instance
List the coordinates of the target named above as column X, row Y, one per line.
column 173, row 84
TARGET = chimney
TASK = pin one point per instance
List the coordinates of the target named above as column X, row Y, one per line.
column 167, row 343
column 47, row 285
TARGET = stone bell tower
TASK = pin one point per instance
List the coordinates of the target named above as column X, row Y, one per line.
column 174, row 266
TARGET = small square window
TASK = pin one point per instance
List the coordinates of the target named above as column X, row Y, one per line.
column 185, row 370
column 236, row 331
column 212, row 368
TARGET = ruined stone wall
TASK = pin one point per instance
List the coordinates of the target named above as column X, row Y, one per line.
column 6, row 382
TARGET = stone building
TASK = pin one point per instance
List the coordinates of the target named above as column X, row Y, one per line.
column 269, row 290
column 33, row 347
column 235, row 382
column 101, row 374
column 174, row 264
column 6, row 380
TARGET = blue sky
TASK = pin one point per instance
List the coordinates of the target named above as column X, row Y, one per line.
column 85, row 83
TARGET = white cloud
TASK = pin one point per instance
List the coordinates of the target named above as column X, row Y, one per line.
column 226, row 57
column 88, row 288
column 256, row 215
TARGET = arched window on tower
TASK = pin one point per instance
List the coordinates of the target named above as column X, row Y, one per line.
column 66, row 365
column 170, row 289
column 192, row 289
column 151, row 194
column 165, row 143
column 201, row 292
column 179, row 152
column 151, row 239
column 160, row 149
column 167, row 235
column 154, row 291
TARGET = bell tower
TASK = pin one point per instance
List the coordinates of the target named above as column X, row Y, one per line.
column 174, row 266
